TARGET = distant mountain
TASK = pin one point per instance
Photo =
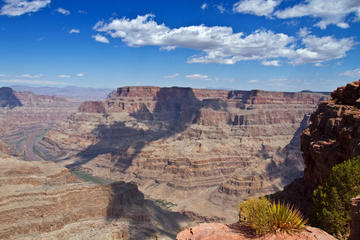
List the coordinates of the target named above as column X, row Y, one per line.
column 68, row 92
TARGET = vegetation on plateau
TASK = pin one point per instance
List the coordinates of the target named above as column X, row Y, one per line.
column 270, row 217
column 332, row 200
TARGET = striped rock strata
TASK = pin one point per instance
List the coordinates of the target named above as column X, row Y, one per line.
column 203, row 150
column 40, row 200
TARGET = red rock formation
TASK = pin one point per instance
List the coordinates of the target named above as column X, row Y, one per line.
column 355, row 216
column 217, row 231
column 209, row 147
column 92, row 107
column 40, row 200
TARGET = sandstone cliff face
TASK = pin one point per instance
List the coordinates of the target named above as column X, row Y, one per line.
column 23, row 126
column 40, row 200
column 210, row 148
column 8, row 98
column 332, row 137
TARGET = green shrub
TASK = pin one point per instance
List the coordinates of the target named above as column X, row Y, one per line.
column 331, row 201
column 266, row 217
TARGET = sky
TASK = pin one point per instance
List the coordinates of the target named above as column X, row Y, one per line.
column 275, row 45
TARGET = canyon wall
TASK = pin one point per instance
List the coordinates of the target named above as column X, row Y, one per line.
column 203, row 150
column 40, row 200
column 26, row 117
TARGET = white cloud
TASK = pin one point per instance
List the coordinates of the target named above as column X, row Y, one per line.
column 63, row 11
column 303, row 32
column 74, row 30
column 32, row 82
column 100, row 38
column 80, row 74
column 172, row 75
column 321, row 49
column 355, row 73
column 270, row 63
column 204, row 6
column 20, row 7
column 220, row 8
column 329, row 12
column 64, row 76
column 198, row 76
column 219, row 44
column 31, row 75
column 82, row 12
column 256, row 7
column 254, row 81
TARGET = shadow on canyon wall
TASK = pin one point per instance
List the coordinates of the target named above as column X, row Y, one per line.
column 175, row 110
column 8, row 98
column 145, row 218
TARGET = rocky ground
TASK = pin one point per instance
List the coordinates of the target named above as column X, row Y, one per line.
column 216, row 231
column 194, row 150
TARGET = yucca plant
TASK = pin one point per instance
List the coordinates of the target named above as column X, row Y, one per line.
column 266, row 217
column 285, row 218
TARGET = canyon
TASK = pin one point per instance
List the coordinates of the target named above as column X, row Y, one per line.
column 197, row 150
column 25, row 117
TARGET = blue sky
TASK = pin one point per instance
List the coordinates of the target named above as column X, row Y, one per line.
column 281, row 45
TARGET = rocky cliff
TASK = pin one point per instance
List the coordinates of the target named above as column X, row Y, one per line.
column 332, row 137
column 8, row 98
column 210, row 148
column 40, row 200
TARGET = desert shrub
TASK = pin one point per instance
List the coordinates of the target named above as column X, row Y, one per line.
column 266, row 217
column 331, row 201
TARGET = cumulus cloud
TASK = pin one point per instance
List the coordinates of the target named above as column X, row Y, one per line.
column 321, row 49
column 74, row 30
column 271, row 63
column 329, row 12
column 100, row 38
column 355, row 73
column 256, row 7
column 80, row 74
column 219, row 44
column 19, row 7
column 63, row 11
column 32, row 82
column 303, row 32
column 204, row 6
column 64, row 76
column 198, row 77
column 172, row 75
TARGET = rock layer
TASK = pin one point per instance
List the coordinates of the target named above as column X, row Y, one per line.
column 40, row 200
column 210, row 148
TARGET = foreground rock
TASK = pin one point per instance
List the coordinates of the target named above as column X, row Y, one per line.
column 332, row 137
column 202, row 150
column 216, row 231
column 40, row 200
column 355, row 216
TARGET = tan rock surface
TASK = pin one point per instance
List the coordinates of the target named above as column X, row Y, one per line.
column 203, row 150
column 40, row 200
column 217, row 231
